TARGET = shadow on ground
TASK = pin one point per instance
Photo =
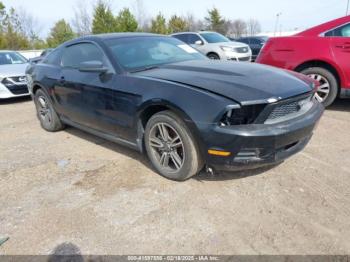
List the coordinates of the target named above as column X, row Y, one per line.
column 340, row 105
column 66, row 252
column 15, row 100
column 142, row 158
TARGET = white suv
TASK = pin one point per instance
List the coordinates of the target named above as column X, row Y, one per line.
column 216, row 46
column 13, row 82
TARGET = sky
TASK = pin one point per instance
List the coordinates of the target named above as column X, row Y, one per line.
column 296, row 14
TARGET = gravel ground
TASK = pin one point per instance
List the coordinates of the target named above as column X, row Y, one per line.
column 71, row 187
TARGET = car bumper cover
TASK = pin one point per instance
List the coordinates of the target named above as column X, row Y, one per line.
column 254, row 146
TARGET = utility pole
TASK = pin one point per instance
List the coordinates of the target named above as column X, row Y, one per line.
column 347, row 8
column 277, row 20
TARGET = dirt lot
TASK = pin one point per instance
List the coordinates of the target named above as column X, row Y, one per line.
column 71, row 187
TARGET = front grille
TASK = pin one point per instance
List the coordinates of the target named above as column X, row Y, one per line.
column 284, row 110
column 242, row 50
column 17, row 85
column 289, row 109
column 18, row 89
column 244, row 59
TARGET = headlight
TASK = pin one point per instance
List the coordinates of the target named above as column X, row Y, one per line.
column 227, row 48
column 7, row 82
column 242, row 116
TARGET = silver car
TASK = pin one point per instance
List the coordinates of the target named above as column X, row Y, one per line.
column 216, row 46
column 13, row 81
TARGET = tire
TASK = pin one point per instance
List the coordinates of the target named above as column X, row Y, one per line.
column 327, row 78
column 177, row 163
column 213, row 56
column 46, row 114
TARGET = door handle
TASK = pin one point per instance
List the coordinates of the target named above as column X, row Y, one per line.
column 345, row 46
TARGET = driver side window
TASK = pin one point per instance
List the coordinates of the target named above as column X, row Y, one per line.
column 76, row 54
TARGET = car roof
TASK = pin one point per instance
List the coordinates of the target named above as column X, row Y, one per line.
column 199, row 32
column 98, row 37
column 317, row 30
column 118, row 35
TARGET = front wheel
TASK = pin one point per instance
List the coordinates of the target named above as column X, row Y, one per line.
column 48, row 117
column 171, row 147
column 328, row 90
column 213, row 56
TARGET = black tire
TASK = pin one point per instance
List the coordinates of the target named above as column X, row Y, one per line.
column 329, row 76
column 213, row 56
column 191, row 159
column 46, row 114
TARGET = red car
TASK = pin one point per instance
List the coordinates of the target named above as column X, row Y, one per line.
column 322, row 52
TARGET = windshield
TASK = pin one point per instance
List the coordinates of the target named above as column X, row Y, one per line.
column 145, row 52
column 10, row 58
column 214, row 38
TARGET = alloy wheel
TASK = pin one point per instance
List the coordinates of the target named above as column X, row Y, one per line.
column 324, row 88
column 44, row 110
column 167, row 147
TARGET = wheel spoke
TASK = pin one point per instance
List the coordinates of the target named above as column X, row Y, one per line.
column 164, row 159
column 156, row 142
column 319, row 99
column 176, row 159
column 176, row 142
column 163, row 131
column 324, row 91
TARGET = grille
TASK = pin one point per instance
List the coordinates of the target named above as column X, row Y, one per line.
column 242, row 50
column 284, row 110
column 287, row 109
column 244, row 59
column 18, row 89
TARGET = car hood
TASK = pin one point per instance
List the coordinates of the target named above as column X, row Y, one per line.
column 245, row 83
column 13, row 70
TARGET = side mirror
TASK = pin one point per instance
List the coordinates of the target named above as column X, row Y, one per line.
column 93, row 67
column 198, row 42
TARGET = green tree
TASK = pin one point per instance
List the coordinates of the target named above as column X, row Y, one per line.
column 103, row 19
column 177, row 24
column 60, row 33
column 126, row 21
column 12, row 35
column 215, row 21
column 158, row 25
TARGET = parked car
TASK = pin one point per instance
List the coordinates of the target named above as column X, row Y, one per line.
column 216, row 46
column 13, row 81
column 254, row 42
column 41, row 57
column 322, row 52
column 156, row 94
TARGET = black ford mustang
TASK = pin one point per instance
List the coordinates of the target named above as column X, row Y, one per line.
column 155, row 93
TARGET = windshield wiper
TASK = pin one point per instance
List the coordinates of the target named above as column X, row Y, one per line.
column 144, row 69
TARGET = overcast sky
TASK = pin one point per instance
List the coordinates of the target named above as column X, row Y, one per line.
column 295, row 13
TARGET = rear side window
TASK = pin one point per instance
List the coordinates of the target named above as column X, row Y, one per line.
column 76, row 54
column 53, row 58
column 343, row 31
column 183, row 38
column 192, row 38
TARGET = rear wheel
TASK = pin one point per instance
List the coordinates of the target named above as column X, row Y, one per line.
column 328, row 89
column 171, row 147
column 48, row 117
column 213, row 56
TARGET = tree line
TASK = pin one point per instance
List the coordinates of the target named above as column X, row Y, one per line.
column 19, row 30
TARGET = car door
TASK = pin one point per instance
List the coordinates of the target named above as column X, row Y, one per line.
column 193, row 40
column 340, row 45
column 90, row 98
